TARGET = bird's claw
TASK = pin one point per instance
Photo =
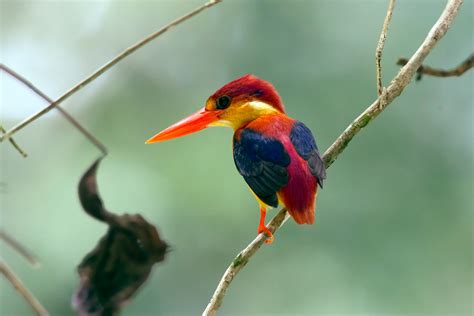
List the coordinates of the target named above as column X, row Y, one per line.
column 267, row 232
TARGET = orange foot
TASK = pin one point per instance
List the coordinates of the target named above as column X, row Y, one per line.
column 262, row 228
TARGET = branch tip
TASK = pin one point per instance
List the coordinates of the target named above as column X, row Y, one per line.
column 10, row 241
column 13, row 142
column 381, row 45
column 458, row 71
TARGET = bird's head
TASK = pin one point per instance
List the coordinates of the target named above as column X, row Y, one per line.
column 234, row 105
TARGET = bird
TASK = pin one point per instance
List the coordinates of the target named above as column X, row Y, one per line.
column 275, row 154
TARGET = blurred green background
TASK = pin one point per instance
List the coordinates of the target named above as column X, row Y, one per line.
column 393, row 232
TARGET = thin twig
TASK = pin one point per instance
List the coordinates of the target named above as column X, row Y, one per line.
column 15, row 281
column 467, row 64
column 31, row 258
column 381, row 44
column 106, row 67
column 14, row 143
column 68, row 116
column 401, row 80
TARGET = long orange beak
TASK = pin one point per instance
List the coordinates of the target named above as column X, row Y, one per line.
column 193, row 123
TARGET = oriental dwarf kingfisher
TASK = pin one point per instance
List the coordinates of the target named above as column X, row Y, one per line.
column 276, row 155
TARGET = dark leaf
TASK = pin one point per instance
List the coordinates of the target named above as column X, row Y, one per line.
column 122, row 260
column 88, row 194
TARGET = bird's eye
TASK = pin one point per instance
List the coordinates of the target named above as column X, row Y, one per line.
column 223, row 102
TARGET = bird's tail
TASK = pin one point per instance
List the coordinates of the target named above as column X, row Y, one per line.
column 303, row 215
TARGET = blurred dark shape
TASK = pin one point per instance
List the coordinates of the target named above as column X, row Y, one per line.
column 122, row 260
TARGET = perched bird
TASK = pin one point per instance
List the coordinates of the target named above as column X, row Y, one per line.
column 276, row 155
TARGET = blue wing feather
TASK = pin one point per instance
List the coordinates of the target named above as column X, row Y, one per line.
column 262, row 161
column 305, row 145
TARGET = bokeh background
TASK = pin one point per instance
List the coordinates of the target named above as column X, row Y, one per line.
column 393, row 234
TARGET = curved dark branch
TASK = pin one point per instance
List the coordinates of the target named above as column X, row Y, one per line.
column 467, row 64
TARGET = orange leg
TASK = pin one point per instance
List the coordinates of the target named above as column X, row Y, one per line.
column 262, row 228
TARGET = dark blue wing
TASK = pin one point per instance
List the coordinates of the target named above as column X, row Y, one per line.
column 262, row 161
column 305, row 145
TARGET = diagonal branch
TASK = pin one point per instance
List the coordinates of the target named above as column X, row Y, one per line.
column 401, row 80
column 31, row 258
column 106, row 67
column 467, row 64
column 14, row 143
column 15, row 281
column 381, row 44
column 68, row 116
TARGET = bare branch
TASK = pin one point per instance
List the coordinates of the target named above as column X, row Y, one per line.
column 106, row 67
column 401, row 80
column 14, row 143
column 467, row 64
column 381, row 44
column 68, row 116
column 15, row 281
column 31, row 258
column 240, row 261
